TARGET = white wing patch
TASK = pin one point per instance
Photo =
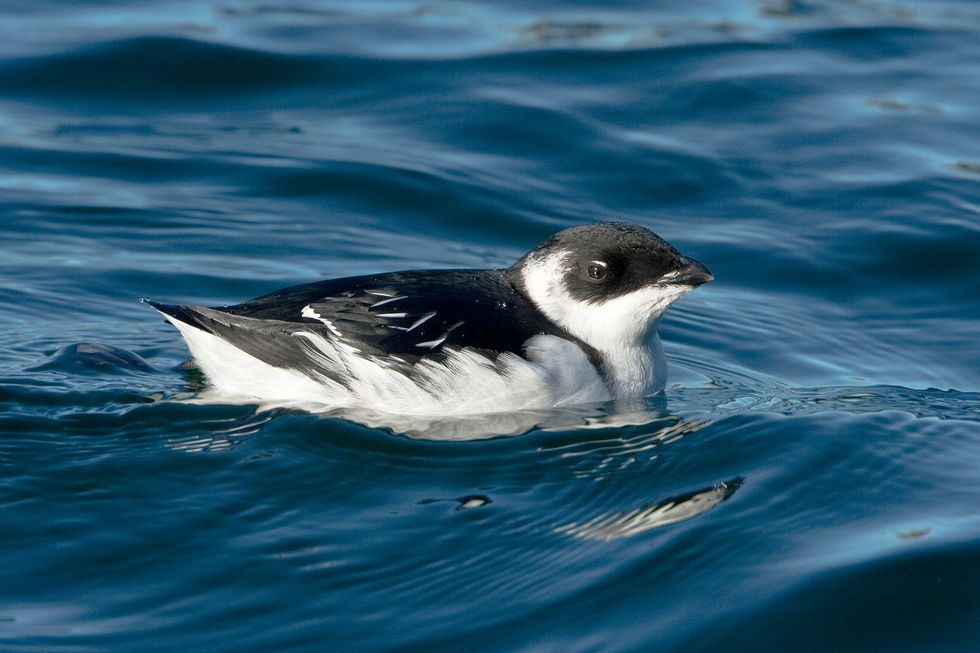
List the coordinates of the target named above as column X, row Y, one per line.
column 432, row 344
column 416, row 323
column 310, row 313
column 385, row 301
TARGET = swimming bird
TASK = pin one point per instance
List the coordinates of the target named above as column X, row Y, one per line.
column 573, row 321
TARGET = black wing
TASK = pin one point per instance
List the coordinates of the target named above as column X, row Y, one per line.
column 410, row 313
column 404, row 315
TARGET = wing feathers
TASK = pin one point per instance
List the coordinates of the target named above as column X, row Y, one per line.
column 405, row 317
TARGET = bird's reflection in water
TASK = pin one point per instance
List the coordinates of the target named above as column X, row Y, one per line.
column 611, row 445
column 612, row 526
column 610, row 455
column 481, row 426
column 597, row 457
column 610, row 415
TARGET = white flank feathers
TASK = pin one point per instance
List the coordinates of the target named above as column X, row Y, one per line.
column 236, row 373
column 466, row 382
column 556, row 373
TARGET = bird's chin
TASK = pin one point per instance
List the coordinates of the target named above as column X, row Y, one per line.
column 668, row 293
column 662, row 298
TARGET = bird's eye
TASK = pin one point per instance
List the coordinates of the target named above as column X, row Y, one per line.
column 598, row 270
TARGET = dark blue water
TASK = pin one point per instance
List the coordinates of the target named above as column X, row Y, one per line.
column 812, row 485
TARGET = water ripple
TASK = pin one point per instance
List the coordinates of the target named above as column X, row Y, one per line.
column 807, row 482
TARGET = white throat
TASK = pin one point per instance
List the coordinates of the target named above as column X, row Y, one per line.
column 622, row 329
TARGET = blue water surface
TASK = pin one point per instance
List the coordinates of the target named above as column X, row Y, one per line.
column 811, row 484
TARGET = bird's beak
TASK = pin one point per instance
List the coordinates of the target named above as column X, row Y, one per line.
column 690, row 273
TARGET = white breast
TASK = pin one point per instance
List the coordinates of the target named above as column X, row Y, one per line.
column 622, row 329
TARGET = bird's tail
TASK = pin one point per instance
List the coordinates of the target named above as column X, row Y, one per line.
column 184, row 314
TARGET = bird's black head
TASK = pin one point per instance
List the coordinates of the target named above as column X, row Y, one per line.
column 606, row 283
column 604, row 261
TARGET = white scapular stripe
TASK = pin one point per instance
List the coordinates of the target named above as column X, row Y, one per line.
column 310, row 313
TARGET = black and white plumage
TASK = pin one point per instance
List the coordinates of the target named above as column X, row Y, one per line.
column 574, row 321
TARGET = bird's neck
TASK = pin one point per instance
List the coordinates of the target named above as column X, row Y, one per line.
column 625, row 347
column 637, row 369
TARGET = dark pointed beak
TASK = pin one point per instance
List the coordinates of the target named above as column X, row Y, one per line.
column 691, row 273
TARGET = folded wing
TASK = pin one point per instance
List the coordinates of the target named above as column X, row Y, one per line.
column 397, row 319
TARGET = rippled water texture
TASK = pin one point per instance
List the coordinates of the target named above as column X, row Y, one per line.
column 809, row 482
